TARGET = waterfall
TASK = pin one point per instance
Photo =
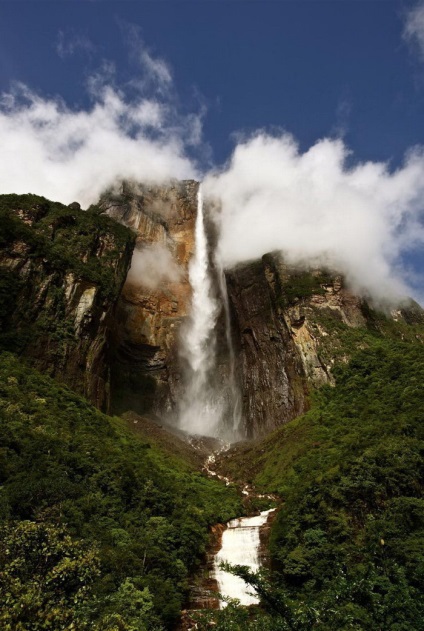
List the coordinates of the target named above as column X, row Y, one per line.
column 206, row 406
column 240, row 546
column 200, row 407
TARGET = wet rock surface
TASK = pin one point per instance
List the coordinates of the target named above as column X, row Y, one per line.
column 271, row 373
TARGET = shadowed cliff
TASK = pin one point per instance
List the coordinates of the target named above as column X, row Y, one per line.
column 61, row 272
column 290, row 325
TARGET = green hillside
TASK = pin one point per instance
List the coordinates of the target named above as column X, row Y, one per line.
column 348, row 542
column 100, row 528
column 104, row 521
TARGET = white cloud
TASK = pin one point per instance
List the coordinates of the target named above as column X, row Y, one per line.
column 312, row 206
column 70, row 43
column 67, row 154
column 133, row 131
column 414, row 27
column 149, row 114
column 156, row 68
column 156, row 73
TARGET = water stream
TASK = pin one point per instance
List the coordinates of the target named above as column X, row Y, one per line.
column 240, row 546
column 207, row 406
column 206, row 411
column 200, row 407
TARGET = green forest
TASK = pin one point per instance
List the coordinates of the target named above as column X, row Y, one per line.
column 347, row 545
column 100, row 528
column 103, row 528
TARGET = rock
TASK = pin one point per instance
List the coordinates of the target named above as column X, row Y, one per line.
column 283, row 318
column 65, row 275
column 146, row 372
column 271, row 372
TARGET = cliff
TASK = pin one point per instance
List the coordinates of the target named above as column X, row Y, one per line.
column 67, row 303
column 156, row 297
column 61, row 272
column 290, row 327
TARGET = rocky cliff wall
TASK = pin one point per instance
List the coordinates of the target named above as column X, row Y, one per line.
column 270, row 370
column 289, row 328
column 156, row 297
column 61, row 272
column 64, row 305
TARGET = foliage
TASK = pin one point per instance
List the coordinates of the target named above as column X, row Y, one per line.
column 67, row 238
column 371, row 601
column 354, row 499
column 302, row 285
column 45, row 579
column 348, row 542
column 146, row 515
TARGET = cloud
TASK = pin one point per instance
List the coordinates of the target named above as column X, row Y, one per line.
column 153, row 265
column 157, row 69
column 156, row 73
column 312, row 206
column 359, row 219
column 70, row 43
column 343, row 114
column 69, row 154
column 414, row 28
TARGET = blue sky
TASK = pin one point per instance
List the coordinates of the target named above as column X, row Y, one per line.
column 338, row 69
column 314, row 68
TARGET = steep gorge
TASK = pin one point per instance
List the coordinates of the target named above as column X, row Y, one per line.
column 275, row 330
column 119, row 342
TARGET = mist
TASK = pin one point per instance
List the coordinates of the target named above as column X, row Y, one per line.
column 152, row 265
column 315, row 207
column 318, row 206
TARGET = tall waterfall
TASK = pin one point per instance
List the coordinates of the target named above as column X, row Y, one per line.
column 200, row 407
column 207, row 406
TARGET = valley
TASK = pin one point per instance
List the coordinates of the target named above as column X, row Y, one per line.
column 134, row 427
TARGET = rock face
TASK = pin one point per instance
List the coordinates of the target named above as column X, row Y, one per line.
column 285, row 324
column 270, row 370
column 64, row 305
column 156, row 296
column 61, row 272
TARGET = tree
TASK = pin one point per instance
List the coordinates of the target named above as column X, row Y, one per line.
column 45, row 577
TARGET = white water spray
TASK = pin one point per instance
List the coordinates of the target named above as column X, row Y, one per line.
column 200, row 408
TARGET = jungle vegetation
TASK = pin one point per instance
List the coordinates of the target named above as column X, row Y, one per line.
column 99, row 528
column 347, row 545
